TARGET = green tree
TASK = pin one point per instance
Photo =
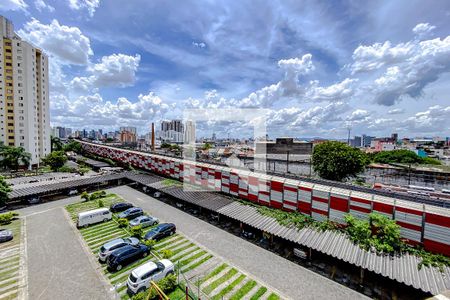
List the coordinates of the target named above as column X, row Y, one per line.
column 4, row 190
column 14, row 157
column 55, row 160
column 74, row 146
column 85, row 196
column 337, row 161
column 55, row 144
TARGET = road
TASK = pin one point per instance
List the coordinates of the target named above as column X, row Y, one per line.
column 290, row 279
column 58, row 266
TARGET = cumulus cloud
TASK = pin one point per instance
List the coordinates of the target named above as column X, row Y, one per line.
column 423, row 29
column 67, row 44
column 335, row 92
column 296, row 66
column 41, row 6
column 89, row 5
column 117, row 70
column 401, row 70
column 93, row 110
column 358, row 115
column 13, row 5
column 427, row 121
column 199, row 44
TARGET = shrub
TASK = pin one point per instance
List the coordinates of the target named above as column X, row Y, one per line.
column 67, row 169
column 140, row 296
column 100, row 203
column 166, row 253
column 149, row 243
column 7, row 218
column 97, row 195
column 136, row 231
column 122, row 222
column 85, row 196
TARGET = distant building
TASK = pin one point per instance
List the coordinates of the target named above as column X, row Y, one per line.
column 189, row 133
column 283, row 146
column 127, row 137
column 356, row 142
column 129, row 129
column 172, row 131
column 24, row 94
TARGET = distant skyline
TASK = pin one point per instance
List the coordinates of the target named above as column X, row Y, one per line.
column 317, row 66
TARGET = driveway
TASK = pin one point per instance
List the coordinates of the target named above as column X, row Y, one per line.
column 58, row 266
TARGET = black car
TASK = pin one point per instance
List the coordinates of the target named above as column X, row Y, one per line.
column 132, row 213
column 126, row 255
column 161, row 231
column 121, row 206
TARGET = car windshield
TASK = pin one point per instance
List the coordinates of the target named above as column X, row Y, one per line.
column 132, row 278
column 160, row 265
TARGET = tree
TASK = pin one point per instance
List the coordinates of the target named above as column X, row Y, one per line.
column 338, row 161
column 55, row 160
column 74, row 146
column 14, row 157
column 55, row 144
column 4, row 190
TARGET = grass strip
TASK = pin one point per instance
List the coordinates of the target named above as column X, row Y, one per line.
column 12, row 282
column 174, row 252
column 192, row 258
column 247, row 287
column 273, row 296
column 179, row 256
column 200, row 262
column 259, row 293
column 166, row 241
column 229, row 288
column 213, row 285
column 214, row 272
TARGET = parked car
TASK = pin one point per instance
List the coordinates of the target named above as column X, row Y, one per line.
column 144, row 221
column 33, row 200
column 161, row 231
column 139, row 279
column 126, row 255
column 115, row 244
column 157, row 194
column 87, row 218
column 121, row 206
column 72, row 192
column 6, row 235
column 131, row 213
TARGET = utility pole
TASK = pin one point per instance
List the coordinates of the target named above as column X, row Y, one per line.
column 348, row 137
column 287, row 162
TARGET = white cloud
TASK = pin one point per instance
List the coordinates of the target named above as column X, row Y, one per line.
column 117, row 70
column 405, row 69
column 396, row 111
column 92, row 111
column 335, row 92
column 41, row 5
column 67, row 44
column 296, row 66
column 90, row 5
column 13, row 5
column 423, row 29
column 435, row 119
column 358, row 115
column 199, row 44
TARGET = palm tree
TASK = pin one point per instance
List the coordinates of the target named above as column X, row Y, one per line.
column 56, row 144
column 14, row 157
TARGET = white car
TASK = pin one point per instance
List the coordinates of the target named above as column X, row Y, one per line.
column 144, row 221
column 139, row 279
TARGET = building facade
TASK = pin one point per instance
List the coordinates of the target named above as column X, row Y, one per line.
column 24, row 94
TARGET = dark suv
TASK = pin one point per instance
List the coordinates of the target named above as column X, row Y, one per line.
column 126, row 255
column 132, row 213
column 161, row 231
column 121, row 206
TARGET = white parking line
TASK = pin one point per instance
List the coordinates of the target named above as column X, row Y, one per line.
column 23, row 271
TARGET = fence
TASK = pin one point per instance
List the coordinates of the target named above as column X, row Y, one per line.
column 191, row 286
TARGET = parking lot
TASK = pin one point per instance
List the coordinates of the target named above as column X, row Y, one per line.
column 211, row 276
column 62, row 262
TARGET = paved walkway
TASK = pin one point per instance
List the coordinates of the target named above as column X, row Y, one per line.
column 287, row 278
column 58, row 266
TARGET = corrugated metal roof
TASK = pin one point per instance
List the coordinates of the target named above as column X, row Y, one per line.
column 402, row 268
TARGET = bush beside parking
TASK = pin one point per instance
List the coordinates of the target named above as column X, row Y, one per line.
column 7, row 218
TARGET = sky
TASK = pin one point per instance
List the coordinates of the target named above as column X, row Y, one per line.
column 314, row 68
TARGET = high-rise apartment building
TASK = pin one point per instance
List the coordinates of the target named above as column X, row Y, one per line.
column 189, row 132
column 24, row 94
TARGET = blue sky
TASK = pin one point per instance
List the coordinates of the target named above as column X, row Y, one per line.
column 317, row 67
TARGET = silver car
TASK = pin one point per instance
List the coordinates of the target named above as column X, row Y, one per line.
column 115, row 244
column 5, row 235
column 144, row 221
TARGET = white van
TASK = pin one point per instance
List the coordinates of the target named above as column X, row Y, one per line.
column 93, row 216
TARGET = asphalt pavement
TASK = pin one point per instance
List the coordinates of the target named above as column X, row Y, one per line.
column 58, row 266
column 289, row 279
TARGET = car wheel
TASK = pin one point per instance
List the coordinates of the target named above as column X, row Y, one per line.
column 169, row 273
column 119, row 267
column 145, row 254
column 105, row 220
column 140, row 290
column 171, row 233
column 86, row 225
